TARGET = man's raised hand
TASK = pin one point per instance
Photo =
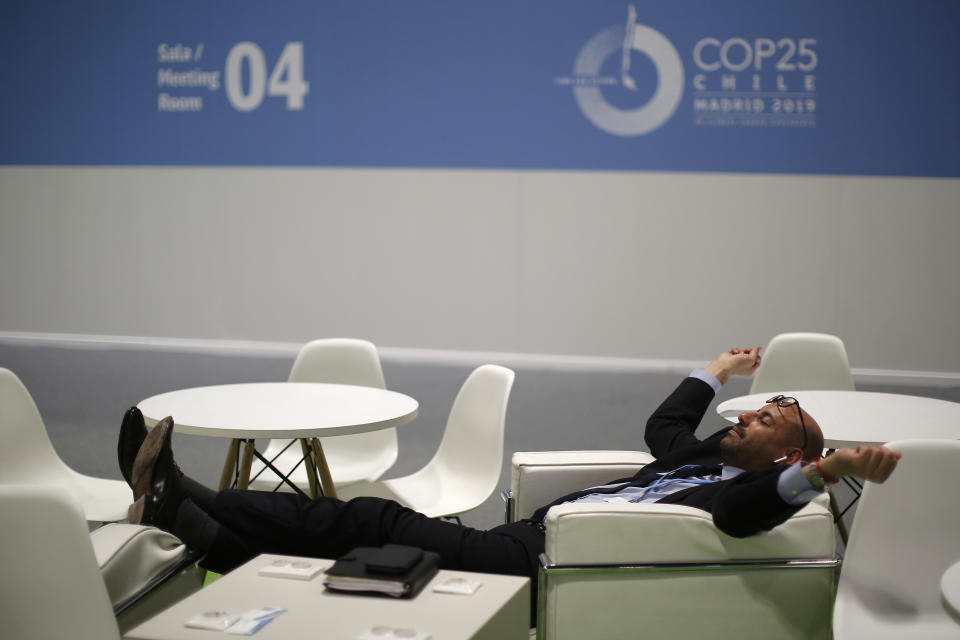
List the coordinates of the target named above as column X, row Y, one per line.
column 873, row 463
column 736, row 361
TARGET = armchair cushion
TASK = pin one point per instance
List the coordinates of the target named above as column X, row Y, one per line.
column 615, row 533
column 134, row 558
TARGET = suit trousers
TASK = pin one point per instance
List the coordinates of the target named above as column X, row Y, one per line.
column 254, row 522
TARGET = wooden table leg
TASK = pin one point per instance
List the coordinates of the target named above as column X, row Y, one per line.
column 243, row 479
column 229, row 465
column 226, row 480
column 310, row 467
column 326, row 480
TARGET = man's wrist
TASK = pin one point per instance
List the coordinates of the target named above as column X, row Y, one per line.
column 814, row 477
column 709, row 378
column 721, row 373
column 817, row 476
column 828, row 469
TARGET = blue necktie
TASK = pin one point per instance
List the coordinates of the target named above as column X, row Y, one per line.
column 645, row 480
column 688, row 473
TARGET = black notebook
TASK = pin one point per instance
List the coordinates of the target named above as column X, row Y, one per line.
column 395, row 570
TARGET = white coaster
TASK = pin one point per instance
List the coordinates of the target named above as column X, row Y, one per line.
column 383, row 632
column 293, row 569
column 461, row 586
column 212, row 620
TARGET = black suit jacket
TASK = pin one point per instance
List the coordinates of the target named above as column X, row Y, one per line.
column 741, row 506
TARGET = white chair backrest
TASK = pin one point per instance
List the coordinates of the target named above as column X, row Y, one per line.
column 803, row 361
column 339, row 361
column 27, row 453
column 470, row 455
column 343, row 361
column 51, row 583
column 905, row 534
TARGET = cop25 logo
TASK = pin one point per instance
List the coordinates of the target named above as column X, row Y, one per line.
column 588, row 83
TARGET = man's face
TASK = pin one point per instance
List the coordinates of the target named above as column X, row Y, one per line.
column 760, row 437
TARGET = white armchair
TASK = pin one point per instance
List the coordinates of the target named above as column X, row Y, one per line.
column 613, row 570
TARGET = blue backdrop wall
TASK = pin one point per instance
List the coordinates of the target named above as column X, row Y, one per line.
column 860, row 87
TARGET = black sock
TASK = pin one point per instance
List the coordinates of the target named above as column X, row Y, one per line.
column 194, row 526
column 202, row 496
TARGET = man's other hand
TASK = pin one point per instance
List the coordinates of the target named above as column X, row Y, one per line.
column 736, row 361
column 868, row 462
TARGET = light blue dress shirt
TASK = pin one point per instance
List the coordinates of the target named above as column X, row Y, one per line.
column 792, row 485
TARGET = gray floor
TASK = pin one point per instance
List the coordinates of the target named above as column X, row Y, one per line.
column 82, row 394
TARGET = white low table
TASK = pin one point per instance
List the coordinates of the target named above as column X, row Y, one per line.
column 498, row 610
column 296, row 410
column 853, row 418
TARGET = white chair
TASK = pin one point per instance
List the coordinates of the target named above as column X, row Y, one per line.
column 353, row 458
column 51, row 583
column 466, row 467
column 665, row 571
column 28, row 457
column 803, row 361
column 806, row 361
column 905, row 535
column 60, row 581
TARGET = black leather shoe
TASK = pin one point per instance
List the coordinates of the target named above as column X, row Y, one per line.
column 158, row 504
column 132, row 434
column 141, row 473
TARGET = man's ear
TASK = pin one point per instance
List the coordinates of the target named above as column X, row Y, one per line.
column 793, row 456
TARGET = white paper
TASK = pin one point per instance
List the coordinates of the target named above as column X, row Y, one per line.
column 245, row 624
column 252, row 621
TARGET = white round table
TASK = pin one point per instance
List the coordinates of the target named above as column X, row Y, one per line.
column 852, row 418
column 296, row 410
column 950, row 589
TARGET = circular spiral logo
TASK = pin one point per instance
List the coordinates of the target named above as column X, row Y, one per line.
column 622, row 41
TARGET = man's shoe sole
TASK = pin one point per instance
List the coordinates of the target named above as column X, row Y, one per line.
column 142, row 472
column 135, row 512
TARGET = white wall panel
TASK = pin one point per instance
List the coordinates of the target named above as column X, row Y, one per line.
column 644, row 265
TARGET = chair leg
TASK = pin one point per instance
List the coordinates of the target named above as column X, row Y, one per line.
column 838, row 517
column 835, row 510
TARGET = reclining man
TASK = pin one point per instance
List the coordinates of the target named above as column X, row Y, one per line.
column 751, row 477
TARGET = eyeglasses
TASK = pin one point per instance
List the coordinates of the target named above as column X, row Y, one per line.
column 788, row 401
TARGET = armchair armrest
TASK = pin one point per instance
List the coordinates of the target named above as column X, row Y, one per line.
column 144, row 569
column 641, row 534
column 539, row 477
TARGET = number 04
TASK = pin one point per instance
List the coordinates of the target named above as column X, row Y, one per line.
column 286, row 79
